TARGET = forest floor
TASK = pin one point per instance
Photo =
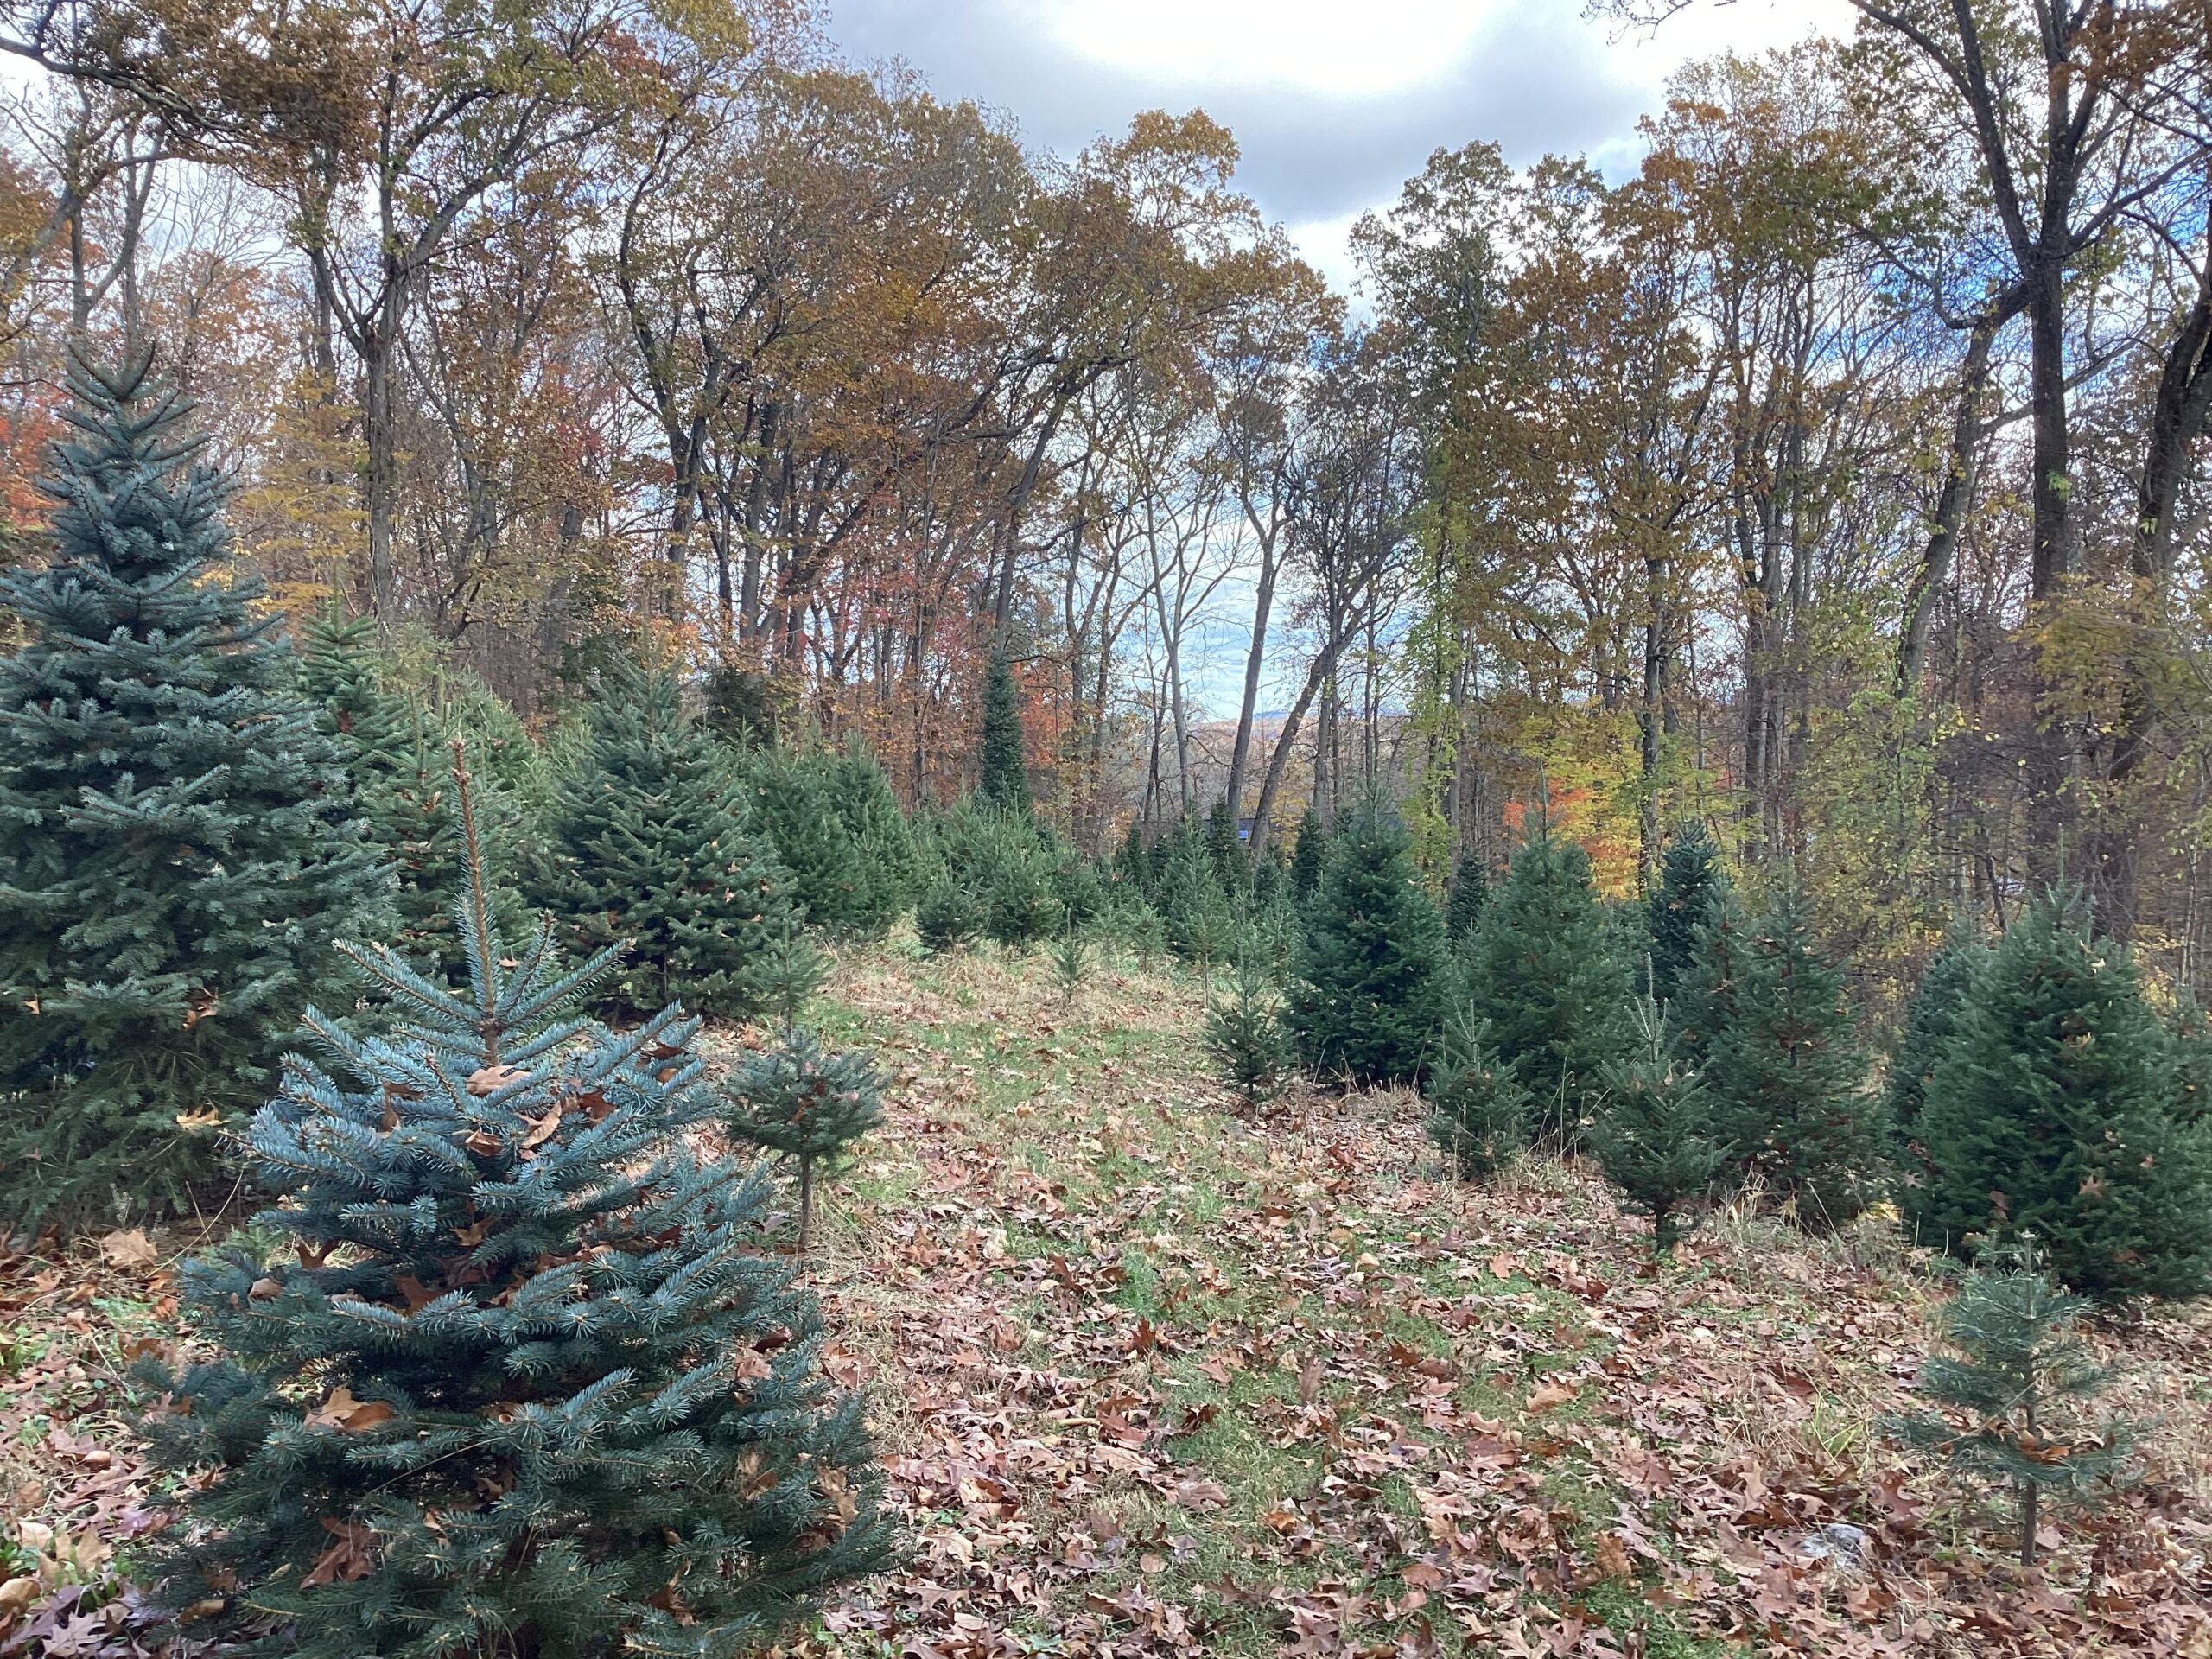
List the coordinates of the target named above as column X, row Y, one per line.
column 1155, row 1376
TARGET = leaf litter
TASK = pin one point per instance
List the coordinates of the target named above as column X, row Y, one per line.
column 1152, row 1378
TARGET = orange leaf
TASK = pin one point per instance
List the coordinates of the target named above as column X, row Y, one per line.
column 343, row 1412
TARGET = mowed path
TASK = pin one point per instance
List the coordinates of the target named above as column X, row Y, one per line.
column 1151, row 1378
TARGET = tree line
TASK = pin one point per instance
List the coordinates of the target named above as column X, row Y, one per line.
column 1834, row 477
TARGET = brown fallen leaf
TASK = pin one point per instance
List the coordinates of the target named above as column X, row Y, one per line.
column 541, row 1129
column 343, row 1412
column 1197, row 1492
column 483, row 1143
column 344, row 1560
column 490, row 1080
column 130, row 1250
column 1552, row 1394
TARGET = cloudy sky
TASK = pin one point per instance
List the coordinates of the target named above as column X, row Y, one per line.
column 1334, row 104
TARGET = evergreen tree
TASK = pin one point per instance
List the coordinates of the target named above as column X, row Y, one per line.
column 1650, row 1133
column 516, row 1376
column 807, row 1102
column 2192, row 1032
column 1245, row 1037
column 1310, row 856
column 1372, row 972
column 948, row 916
column 398, row 754
column 1479, row 1112
column 1071, row 964
column 1692, row 885
column 1005, row 784
column 2054, row 1110
column 790, row 803
column 1787, row 1078
column 1545, row 979
column 1470, row 893
column 1706, row 995
column 1132, row 865
column 891, row 860
column 175, row 850
column 1201, row 922
column 1002, row 871
column 1231, row 867
column 2017, row 1379
column 648, row 846
column 1947, row 986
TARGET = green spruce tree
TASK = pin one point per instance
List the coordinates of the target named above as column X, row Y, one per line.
column 948, row 916
column 648, row 847
column 1310, row 856
column 1132, row 862
column 1931, row 1022
column 2014, row 1387
column 1463, row 915
column 398, row 754
column 1692, row 885
column 1787, row 1077
column 1005, row 778
column 1479, row 1112
column 2055, row 1109
column 1544, row 977
column 791, row 803
column 1202, row 922
column 505, row 1369
column 1650, row 1134
column 1244, row 1034
column 891, row 860
column 1372, row 971
column 2192, row 1034
column 811, row 1103
column 1231, row 867
column 176, row 843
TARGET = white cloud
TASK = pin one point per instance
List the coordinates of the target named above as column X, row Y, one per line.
column 1382, row 46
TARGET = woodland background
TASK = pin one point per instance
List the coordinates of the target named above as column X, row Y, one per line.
column 1836, row 478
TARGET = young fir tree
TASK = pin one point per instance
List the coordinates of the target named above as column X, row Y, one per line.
column 2054, row 1110
column 947, row 916
column 1131, row 859
column 1650, row 1133
column 1005, row 779
column 1244, row 1034
column 1787, row 1077
column 648, row 846
column 397, row 754
column 2192, row 1034
column 1479, row 1112
column 1070, row 963
column 1931, row 1022
column 175, row 847
column 891, row 860
column 1544, row 977
column 505, row 1369
column 1310, row 855
column 1705, row 998
column 1692, row 884
column 789, row 802
column 1202, row 923
column 1371, row 969
column 809, row 1103
column 1470, row 893
column 1231, row 867
column 2015, row 1384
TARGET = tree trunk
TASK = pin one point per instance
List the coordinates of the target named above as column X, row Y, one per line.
column 1951, row 503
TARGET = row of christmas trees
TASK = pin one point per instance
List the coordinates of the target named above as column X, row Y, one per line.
column 1694, row 1047
column 510, row 1363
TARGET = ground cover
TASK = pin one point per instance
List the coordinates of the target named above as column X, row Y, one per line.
column 1152, row 1376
